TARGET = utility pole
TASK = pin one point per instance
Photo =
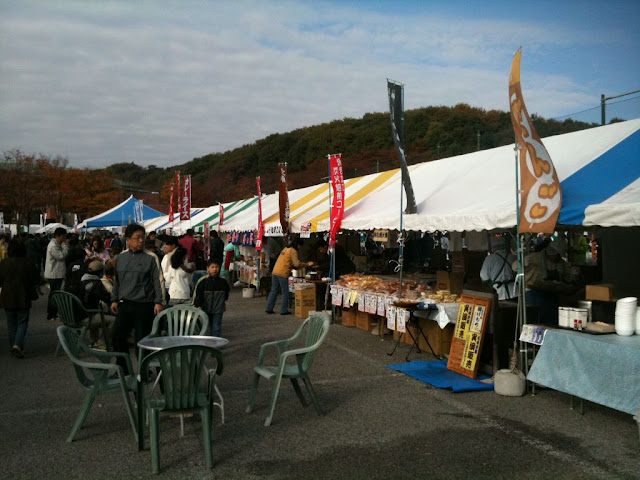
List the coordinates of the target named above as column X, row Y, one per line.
column 603, row 103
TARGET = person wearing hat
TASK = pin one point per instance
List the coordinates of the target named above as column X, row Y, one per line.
column 546, row 275
column 496, row 269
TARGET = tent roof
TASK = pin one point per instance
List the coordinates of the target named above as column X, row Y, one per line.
column 598, row 168
column 119, row 215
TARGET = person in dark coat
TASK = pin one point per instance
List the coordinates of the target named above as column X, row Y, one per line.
column 211, row 294
column 19, row 280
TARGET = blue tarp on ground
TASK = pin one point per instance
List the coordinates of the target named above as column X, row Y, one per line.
column 120, row 215
column 435, row 372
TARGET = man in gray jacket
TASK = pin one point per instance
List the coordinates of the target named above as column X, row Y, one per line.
column 55, row 268
column 138, row 291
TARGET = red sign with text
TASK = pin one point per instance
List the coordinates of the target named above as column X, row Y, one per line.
column 338, row 198
column 186, row 199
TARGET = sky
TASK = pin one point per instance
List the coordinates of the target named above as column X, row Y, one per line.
column 163, row 82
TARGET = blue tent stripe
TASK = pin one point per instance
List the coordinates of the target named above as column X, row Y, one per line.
column 602, row 178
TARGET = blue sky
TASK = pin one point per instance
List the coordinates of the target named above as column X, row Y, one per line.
column 160, row 82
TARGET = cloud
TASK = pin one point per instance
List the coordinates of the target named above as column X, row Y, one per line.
column 161, row 83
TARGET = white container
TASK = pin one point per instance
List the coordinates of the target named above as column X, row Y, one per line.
column 248, row 292
column 563, row 316
column 638, row 322
column 626, row 313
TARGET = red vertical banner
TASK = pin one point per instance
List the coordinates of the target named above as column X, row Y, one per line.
column 260, row 224
column 283, row 198
column 338, row 197
column 186, row 199
column 178, row 194
column 221, row 219
column 206, row 238
column 171, row 203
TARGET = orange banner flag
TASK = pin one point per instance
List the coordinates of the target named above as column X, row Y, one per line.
column 541, row 193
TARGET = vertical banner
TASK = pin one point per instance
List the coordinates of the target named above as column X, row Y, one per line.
column 171, row 203
column 186, row 199
column 206, row 239
column 1, row 222
column 260, row 224
column 541, row 193
column 41, row 221
column 221, row 216
column 75, row 223
column 396, row 110
column 178, row 194
column 338, row 197
column 283, row 198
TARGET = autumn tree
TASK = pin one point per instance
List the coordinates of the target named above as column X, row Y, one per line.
column 23, row 186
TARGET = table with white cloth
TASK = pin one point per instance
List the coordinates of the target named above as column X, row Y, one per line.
column 603, row 369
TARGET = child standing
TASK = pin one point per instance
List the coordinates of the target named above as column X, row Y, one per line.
column 211, row 293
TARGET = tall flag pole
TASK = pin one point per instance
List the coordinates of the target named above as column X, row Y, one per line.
column 283, row 198
column 540, row 195
column 395, row 92
column 260, row 231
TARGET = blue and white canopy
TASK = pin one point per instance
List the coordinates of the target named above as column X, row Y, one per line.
column 120, row 215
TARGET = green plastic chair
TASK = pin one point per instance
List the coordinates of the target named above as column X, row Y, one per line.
column 96, row 377
column 184, row 371
column 68, row 307
column 317, row 327
column 181, row 320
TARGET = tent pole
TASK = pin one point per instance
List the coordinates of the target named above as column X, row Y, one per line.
column 520, row 243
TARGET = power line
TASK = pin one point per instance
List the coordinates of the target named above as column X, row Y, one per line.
column 595, row 108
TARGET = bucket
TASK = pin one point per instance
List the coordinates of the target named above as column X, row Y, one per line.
column 248, row 292
column 509, row 383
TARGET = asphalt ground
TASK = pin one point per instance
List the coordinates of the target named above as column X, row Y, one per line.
column 379, row 424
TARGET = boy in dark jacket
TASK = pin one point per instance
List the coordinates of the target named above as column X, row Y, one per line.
column 211, row 293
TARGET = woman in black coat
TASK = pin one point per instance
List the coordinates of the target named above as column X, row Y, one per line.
column 18, row 280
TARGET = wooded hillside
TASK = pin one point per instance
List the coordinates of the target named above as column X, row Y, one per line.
column 365, row 143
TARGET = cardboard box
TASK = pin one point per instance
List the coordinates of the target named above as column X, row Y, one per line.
column 453, row 281
column 305, row 299
column 364, row 321
column 603, row 292
column 349, row 317
column 439, row 338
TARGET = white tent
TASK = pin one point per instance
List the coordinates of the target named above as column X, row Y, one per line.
column 49, row 228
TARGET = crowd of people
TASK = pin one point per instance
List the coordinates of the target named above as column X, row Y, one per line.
column 131, row 279
column 134, row 277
